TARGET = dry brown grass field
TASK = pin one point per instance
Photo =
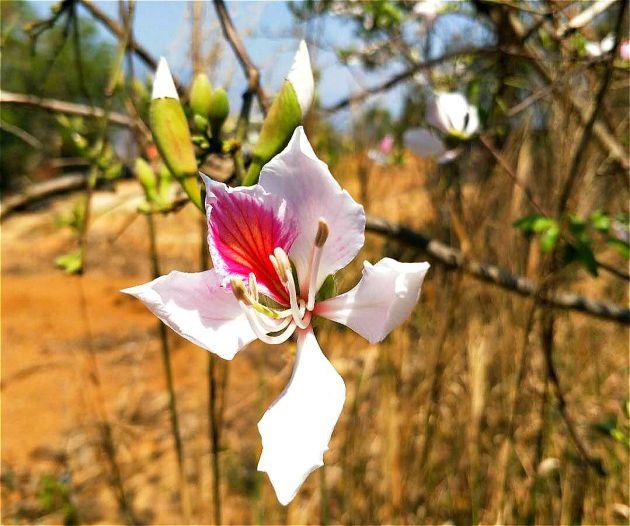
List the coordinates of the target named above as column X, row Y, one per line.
column 423, row 437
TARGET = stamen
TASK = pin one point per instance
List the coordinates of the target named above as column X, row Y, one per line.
column 271, row 324
column 322, row 233
column 316, row 256
column 240, row 292
column 253, row 286
column 285, row 265
column 260, row 333
column 278, row 268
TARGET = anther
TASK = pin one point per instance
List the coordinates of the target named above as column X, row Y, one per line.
column 322, row 233
column 239, row 291
column 253, row 286
column 278, row 268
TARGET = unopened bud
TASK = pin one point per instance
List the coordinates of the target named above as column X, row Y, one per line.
column 171, row 133
column 201, row 94
column 285, row 114
column 322, row 233
column 145, row 177
column 218, row 111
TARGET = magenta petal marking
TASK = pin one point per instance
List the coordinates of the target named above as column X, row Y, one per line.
column 245, row 225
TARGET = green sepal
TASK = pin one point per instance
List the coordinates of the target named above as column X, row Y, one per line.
column 284, row 116
column 328, row 288
column 172, row 137
column 218, row 111
column 201, row 94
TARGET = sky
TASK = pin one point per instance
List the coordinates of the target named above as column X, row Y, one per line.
column 270, row 34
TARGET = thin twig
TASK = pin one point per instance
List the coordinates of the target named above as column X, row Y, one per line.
column 584, row 17
column 405, row 75
column 251, row 72
column 68, row 108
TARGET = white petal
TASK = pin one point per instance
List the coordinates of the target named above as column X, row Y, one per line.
column 471, row 127
column 423, row 142
column 382, row 300
column 163, row 85
column 301, row 78
column 593, row 49
column 450, row 155
column 311, row 193
column 447, row 111
column 297, row 427
column 197, row 308
column 607, row 43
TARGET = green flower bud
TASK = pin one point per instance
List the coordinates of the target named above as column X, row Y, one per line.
column 146, row 177
column 171, row 133
column 286, row 113
column 200, row 94
column 201, row 123
column 218, row 111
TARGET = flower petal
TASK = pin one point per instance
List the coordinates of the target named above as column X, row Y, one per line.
column 245, row 225
column 196, row 307
column 423, row 142
column 451, row 113
column 382, row 300
column 311, row 192
column 297, row 427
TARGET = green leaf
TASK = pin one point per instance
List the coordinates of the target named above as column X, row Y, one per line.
column 549, row 238
column 72, row 263
column 620, row 246
column 535, row 223
column 600, row 221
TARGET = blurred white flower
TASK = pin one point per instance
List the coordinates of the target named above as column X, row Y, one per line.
column 453, row 116
column 624, row 49
column 427, row 9
column 597, row 49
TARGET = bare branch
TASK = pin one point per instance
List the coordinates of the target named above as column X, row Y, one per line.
column 602, row 134
column 251, row 71
column 38, row 192
column 441, row 253
column 119, row 32
column 584, row 17
column 69, row 108
column 405, row 75
column 455, row 259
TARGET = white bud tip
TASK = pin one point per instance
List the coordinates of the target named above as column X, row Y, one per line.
column 301, row 78
column 163, row 85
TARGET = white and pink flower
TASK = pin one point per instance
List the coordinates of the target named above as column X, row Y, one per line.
column 273, row 245
column 452, row 117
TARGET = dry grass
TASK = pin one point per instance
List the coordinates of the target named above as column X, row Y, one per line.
column 423, row 435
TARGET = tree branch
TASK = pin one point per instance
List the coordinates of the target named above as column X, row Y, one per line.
column 455, row 259
column 251, row 72
column 68, row 108
column 405, row 75
column 119, row 32
column 602, row 134
column 584, row 17
column 441, row 253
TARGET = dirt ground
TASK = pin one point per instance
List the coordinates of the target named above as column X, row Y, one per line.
column 50, row 321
